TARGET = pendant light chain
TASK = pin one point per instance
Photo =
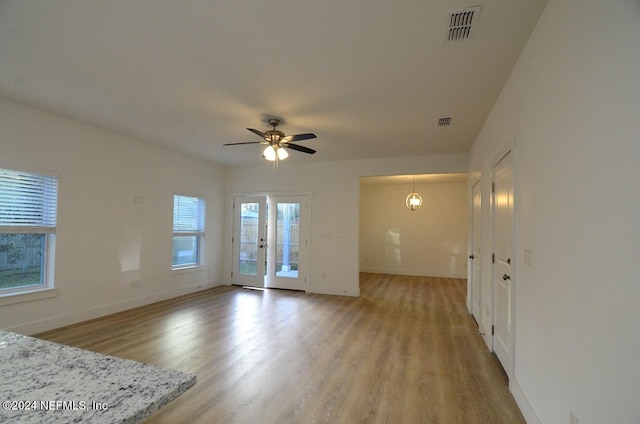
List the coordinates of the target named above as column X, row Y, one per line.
column 414, row 200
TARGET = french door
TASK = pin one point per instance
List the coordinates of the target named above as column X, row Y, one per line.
column 249, row 240
column 270, row 241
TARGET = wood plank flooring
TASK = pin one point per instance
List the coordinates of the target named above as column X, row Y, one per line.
column 405, row 351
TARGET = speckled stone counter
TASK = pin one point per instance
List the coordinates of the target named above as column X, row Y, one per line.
column 45, row 382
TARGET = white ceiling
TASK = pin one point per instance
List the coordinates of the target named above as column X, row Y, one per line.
column 369, row 77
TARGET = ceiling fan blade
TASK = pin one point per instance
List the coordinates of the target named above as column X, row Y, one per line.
column 260, row 133
column 299, row 137
column 246, row 142
column 298, row 148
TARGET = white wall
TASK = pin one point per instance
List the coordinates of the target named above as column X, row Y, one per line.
column 571, row 105
column 430, row 241
column 335, row 202
column 104, row 238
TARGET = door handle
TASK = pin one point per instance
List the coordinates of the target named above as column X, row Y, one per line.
column 471, row 257
column 262, row 245
column 506, row 277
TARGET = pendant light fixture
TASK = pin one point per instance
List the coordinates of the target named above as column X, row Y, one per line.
column 414, row 200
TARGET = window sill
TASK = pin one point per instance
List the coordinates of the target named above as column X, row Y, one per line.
column 27, row 296
column 187, row 269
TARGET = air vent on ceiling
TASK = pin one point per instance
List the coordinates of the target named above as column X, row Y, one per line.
column 462, row 23
column 445, row 121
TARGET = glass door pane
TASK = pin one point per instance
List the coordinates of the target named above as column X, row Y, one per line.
column 287, row 240
column 248, row 257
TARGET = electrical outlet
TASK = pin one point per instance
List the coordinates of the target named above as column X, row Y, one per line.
column 573, row 418
column 527, row 256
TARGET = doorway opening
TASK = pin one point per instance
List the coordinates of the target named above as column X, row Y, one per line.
column 428, row 241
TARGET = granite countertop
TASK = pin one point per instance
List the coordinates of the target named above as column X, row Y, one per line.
column 45, row 382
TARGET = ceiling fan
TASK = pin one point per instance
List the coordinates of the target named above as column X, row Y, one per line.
column 276, row 142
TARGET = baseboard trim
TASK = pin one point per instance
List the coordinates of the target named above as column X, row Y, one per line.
column 63, row 320
column 525, row 406
column 414, row 272
column 338, row 291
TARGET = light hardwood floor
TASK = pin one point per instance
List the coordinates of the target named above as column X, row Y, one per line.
column 405, row 351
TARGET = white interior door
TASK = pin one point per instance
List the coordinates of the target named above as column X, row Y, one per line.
column 287, row 252
column 475, row 260
column 249, row 240
column 502, row 283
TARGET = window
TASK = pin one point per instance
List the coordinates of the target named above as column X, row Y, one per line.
column 188, row 231
column 28, row 205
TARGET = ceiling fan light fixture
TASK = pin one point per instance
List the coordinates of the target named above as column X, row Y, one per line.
column 273, row 153
column 276, row 141
column 269, row 154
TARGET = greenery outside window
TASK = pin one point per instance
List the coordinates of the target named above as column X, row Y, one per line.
column 188, row 231
column 28, row 204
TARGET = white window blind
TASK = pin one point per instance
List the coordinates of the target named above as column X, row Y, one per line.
column 188, row 215
column 27, row 202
